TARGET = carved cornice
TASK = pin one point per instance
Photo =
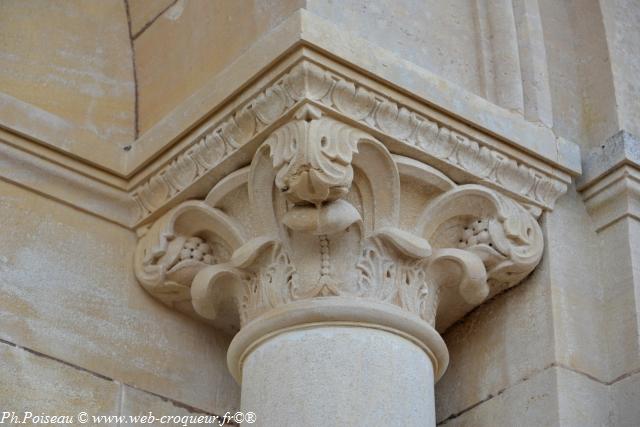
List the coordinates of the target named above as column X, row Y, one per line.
column 325, row 212
column 197, row 158
column 60, row 180
column 372, row 111
column 614, row 196
column 623, row 148
column 610, row 186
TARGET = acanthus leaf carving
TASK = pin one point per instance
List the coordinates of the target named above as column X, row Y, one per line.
column 392, row 268
column 326, row 203
column 313, row 157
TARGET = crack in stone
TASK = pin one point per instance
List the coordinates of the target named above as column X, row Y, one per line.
column 136, row 124
column 152, row 20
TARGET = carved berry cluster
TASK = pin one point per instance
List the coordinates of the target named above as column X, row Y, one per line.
column 197, row 249
column 475, row 233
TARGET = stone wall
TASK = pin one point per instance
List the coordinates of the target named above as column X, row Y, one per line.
column 100, row 101
column 195, row 38
column 74, row 322
column 71, row 59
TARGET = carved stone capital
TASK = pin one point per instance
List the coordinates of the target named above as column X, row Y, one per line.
column 327, row 225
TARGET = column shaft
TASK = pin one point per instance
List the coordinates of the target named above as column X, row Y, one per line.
column 339, row 376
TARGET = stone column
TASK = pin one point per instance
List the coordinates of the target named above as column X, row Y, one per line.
column 335, row 264
column 338, row 362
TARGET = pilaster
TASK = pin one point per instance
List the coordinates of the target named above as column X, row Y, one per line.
column 610, row 189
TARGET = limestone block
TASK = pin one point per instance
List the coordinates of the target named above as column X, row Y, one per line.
column 625, row 396
column 71, row 59
column 577, row 294
column 579, row 325
column 196, row 38
column 620, row 281
column 490, row 350
column 438, row 36
column 582, row 402
column 620, row 21
column 616, row 255
column 552, row 397
column 579, row 70
column 40, row 385
column 622, row 336
column 67, row 290
column 529, row 403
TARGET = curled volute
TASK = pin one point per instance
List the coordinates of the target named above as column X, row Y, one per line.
column 180, row 244
column 497, row 231
column 325, row 211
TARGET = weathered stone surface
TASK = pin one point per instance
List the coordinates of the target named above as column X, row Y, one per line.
column 491, row 348
column 40, row 385
column 580, row 75
column 576, row 298
column 530, row 403
column 363, row 376
column 582, row 401
column 555, row 397
column 198, row 39
column 73, row 60
column 68, row 291
column 621, row 292
column 620, row 18
column 440, row 37
column 625, row 396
